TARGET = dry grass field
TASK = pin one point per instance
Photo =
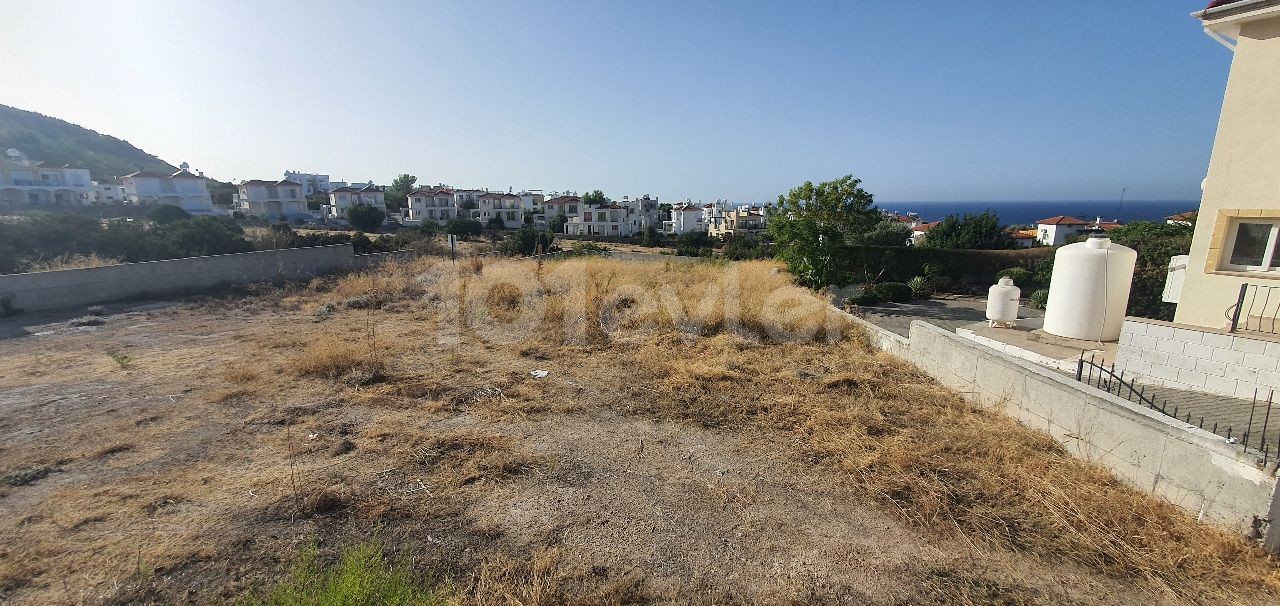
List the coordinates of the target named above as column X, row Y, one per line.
column 704, row 433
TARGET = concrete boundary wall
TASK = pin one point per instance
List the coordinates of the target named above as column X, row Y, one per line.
column 1193, row 469
column 884, row 339
column 70, row 288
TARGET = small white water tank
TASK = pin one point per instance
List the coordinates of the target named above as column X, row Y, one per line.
column 1089, row 290
column 1002, row 301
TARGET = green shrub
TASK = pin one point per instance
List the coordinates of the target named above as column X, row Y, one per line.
column 1044, row 271
column 464, row 228
column 695, row 244
column 866, row 298
column 365, row 217
column 588, row 249
column 743, row 248
column 1039, row 299
column 896, row 292
column 650, row 237
column 943, row 283
column 167, row 213
column 933, row 271
column 361, row 576
column 921, row 287
column 1022, row 278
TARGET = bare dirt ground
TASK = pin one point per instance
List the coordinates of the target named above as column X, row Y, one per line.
column 240, row 429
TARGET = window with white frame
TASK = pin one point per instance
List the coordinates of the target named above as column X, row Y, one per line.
column 1253, row 245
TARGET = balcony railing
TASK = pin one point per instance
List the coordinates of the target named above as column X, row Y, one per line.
column 1257, row 309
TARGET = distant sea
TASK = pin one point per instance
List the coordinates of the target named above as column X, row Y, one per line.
column 1022, row 213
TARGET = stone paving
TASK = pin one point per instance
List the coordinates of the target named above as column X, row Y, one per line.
column 948, row 313
column 1219, row 414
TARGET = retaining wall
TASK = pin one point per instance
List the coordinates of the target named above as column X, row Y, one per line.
column 69, row 288
column 1187, row 466
column 1199, row 359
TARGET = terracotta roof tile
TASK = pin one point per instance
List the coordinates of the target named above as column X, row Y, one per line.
column 1061, row 220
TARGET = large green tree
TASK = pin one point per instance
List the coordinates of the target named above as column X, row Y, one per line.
column 889, row 232
column 397, row 196
column 1155, row 243
column 464, row 228
column 527, row 241
column 366, row 218
column 594, row 198
column 970, row 232
column 814, row 228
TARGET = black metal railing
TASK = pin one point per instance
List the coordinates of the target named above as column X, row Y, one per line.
column 1255, row 430
column 1257, row 309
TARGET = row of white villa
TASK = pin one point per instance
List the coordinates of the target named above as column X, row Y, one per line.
column 26, row 182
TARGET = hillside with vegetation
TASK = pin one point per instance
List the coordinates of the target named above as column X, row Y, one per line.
column 57, row 141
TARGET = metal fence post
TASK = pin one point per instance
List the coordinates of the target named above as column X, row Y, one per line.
column 1235, row 315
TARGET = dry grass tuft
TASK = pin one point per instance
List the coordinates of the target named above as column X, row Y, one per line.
column 357, row 363
column 468, row 456
column 113, row 449
column 240, row 373
column 73, row 261
column 545, row 578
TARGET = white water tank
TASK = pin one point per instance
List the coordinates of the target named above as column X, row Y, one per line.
column 1089, row 290
column 1002, row 301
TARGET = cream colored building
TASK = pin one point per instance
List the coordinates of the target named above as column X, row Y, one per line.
column 1225, row 337
column 1237, row 233
column 737, row 222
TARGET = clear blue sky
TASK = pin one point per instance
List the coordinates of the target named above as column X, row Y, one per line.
column 926, row 100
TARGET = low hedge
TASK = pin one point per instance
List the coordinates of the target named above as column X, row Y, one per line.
column 896, row 292
column 901, row 263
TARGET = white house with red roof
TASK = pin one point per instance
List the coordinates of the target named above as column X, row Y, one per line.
column 604, row 220
column 1055, row 231
column 568, row 206
column 25, row 182
column 431, row 205
column 276, row 200
column 920, row 231
column 491, row 206
column 343, row 198
column 183, row 189
column 685, row 218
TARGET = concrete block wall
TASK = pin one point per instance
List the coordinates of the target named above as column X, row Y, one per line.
column 885, row 340
column 1199, row 359
column 1189, row 467
column 71, row 288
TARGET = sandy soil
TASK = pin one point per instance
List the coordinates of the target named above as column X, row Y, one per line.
column 195, row 472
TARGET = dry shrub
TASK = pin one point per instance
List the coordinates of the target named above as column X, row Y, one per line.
column 468, row 456
column 354, row 362
column 391, row 281
column 73, row 261
column 239, row 373
column 545, row 579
